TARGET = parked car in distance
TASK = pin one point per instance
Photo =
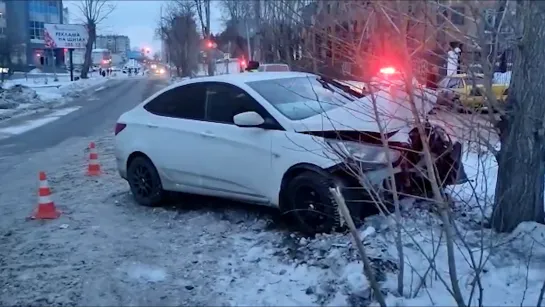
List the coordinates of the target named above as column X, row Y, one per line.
column 273, row 67
column 463, row 90
column 273, row 139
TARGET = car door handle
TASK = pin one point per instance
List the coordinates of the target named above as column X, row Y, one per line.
column 152, row 126
column 207, row 134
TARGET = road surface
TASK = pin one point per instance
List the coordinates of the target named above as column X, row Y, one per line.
column 96, row 112
column 104, row 250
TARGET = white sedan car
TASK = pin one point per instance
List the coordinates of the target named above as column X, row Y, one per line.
column 279, row 139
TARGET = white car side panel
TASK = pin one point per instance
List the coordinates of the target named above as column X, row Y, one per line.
column 175, row 148
column 236, row 160
column 289, row 149
column 170, row 143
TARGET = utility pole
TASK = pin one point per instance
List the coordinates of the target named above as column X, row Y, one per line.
column 209, row 50
column 248, row 40
column 257, row 36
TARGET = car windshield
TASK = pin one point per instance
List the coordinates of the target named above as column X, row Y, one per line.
column 476, row 80
column 301, row 97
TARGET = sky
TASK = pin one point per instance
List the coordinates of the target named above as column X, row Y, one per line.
column 137, row 19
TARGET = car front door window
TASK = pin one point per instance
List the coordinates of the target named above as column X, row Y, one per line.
column 224, row 101
column 234, row 155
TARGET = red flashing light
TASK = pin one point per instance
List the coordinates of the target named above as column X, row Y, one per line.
column 65, row 50
column 243, row 63
column 209, row 44
column 388, row 70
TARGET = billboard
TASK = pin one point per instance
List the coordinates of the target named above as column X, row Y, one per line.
column 65, row 36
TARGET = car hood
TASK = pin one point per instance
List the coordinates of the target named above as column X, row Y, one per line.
column 392, row 104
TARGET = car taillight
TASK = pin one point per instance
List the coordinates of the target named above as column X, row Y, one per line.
column 119, row 127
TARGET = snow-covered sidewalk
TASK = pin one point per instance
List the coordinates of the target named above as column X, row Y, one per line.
column 21, row 96
column 105, row 250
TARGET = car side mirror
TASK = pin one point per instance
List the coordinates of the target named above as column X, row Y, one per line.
column 248, row 119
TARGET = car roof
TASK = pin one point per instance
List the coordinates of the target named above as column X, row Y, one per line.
column 465, row 76
column 247, row 77
column 236, row 79
column 268, row 64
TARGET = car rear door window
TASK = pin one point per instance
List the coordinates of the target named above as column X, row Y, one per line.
column 223, row 101
column 186, row 101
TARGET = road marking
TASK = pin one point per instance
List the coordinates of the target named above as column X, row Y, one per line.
column 100, row 89
column 35, row 123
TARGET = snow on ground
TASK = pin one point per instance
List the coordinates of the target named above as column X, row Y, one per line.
column 21, row 96
column 105, row 250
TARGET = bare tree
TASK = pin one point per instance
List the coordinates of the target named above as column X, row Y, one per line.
column 178, row 28
column 94, row 12
column 203, row 14
column 414, row 37
column 521, row 166
column 235, row 10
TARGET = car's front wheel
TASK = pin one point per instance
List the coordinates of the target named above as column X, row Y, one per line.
column 310, row 204
column 145, row 182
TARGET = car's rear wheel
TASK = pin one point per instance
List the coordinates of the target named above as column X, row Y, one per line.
column 145, row 182
column 310, row 204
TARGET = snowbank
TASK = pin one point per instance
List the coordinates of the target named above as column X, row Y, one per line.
column 201, row 254
column 17, row 97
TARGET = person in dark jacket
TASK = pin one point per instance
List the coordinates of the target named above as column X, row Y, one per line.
column 432, row 78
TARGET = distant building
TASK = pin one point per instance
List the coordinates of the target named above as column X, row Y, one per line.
column 119, row 44
column 330, row 26
column 135, row 55
column 25, row 30
column 65, row 16
column 3, row 23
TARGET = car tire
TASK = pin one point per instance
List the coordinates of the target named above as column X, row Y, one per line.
column 310, row 204
column 145, row 183
column 458, row 106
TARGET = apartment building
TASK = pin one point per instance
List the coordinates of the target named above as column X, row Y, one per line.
column 65, row 16
column 3, row 23
column 118, row 44
column 25, row 32
column 431, row 26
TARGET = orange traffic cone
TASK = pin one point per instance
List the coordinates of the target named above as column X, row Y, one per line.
column 46, row 207
column 94, row 167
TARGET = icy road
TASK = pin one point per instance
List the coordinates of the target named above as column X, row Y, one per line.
column 106, row 251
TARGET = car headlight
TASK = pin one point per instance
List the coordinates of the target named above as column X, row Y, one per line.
column 366, row 153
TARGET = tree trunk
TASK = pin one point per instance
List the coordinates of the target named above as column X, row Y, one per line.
column 521, row 161
column 88, row 50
